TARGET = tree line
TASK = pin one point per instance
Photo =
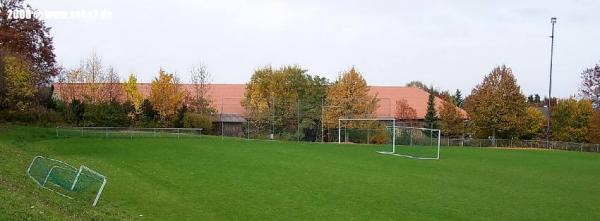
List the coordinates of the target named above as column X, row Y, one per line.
column 284, row 100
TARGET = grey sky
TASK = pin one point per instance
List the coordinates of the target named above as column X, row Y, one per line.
column 450, row 44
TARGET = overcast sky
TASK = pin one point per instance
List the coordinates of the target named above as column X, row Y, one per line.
column 450, row 44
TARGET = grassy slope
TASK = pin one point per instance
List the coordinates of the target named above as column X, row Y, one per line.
column 214, row 179
column 22, row 199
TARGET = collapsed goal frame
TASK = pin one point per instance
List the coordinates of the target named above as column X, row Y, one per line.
column 68, row 186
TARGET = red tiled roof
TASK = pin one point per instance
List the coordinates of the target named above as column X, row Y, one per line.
column 227, row 98
column 415, row 97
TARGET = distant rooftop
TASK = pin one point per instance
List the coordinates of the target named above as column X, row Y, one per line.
column 227, row 98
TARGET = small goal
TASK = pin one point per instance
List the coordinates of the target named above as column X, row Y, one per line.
column 416, row 143
column 66, row 180
column 384, row 134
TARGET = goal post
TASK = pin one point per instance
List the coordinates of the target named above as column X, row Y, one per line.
column 416, row 143
column 372, row 120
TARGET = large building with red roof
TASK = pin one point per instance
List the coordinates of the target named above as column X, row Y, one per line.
column 226, row 98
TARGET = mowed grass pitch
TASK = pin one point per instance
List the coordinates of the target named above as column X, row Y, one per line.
column 229, row 179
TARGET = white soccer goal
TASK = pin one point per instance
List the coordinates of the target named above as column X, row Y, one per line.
column 65, row 180
column 411, row 142
column 416, row 143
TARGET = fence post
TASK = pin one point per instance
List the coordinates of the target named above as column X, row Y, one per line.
column 56, row 131
column 82, row 131
column 177, row 133
column 105, row 132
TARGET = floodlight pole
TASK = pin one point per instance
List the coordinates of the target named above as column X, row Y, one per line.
column 553, row 21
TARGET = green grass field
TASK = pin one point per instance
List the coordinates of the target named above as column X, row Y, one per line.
column 210, row 178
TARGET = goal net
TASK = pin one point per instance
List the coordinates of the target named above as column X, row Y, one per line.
column 66, row 180
column 417, row 143
column 373, row 131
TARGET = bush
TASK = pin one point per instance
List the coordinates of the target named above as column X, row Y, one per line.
column 195, row 120
column 106, row 114
column 35, row 115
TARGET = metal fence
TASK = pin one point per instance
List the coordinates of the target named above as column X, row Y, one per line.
column 127, row 132
column 511, row 143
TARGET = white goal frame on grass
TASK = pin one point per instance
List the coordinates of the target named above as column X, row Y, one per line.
column 393, row 152
column 71, row 168
column 439, row 137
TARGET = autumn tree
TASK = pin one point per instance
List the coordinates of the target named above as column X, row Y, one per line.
column 534, row 123
column 406, row 113
column 497, row 106
column 571, row 120
column 431, row 117
column 30, row 40
column 90, row 82
column 18, row 91
column 166, row 96
column 132, row 93
column 284, row 97
column 348, row 97
column 93, row 75
column 594, row 133
column 112, row 88
column 451, row 119
column 590, row 85
column 200, row 100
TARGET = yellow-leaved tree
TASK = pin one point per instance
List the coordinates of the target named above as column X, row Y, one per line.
column 348, row 97
column 133, row 94
column 535, row 124
column 17, row 83
column 166, row 96
column 571, row 120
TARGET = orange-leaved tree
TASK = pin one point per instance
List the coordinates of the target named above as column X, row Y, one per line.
column 348, row 97
column 451, row 119
column 405, row 113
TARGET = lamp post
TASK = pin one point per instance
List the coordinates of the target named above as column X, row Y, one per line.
column 553, row 21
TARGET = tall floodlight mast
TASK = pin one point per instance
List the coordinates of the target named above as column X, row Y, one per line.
column 553, row 21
